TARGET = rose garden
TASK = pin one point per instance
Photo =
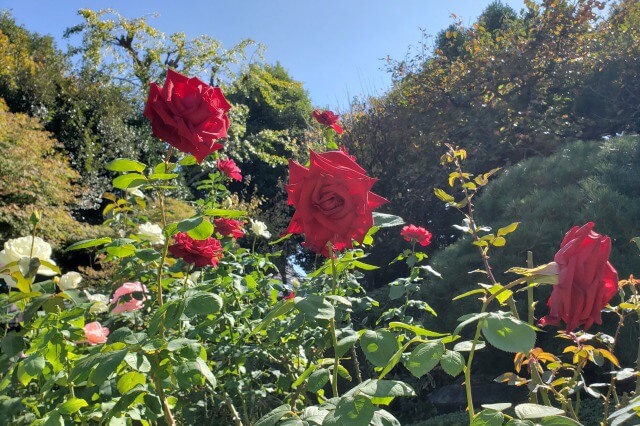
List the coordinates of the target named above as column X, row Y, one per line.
column 230, row 314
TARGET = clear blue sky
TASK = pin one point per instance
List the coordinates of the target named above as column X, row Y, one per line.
column 335, row 48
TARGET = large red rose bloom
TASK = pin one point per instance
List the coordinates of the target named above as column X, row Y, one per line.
column 333, row 201
column 586, row 280
column 188, row 114
column 199, row 252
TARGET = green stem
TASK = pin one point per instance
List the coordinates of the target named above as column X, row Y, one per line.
column 168, row 417
column 467, row 370
column 332, row 323
column 530, row 301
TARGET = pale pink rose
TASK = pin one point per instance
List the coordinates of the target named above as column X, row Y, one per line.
column 95, row 333
column 132, row 304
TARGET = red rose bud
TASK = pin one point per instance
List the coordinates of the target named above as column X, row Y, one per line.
column 229, row 168
column 586, row 279
column 229, row 227
column 327, row 118
column 333, row 201
column 188, row 114
column 418, row 233
column 199, row 252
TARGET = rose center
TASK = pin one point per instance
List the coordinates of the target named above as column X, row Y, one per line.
column 330, row 203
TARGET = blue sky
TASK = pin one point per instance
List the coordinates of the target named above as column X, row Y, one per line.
column 335, row 48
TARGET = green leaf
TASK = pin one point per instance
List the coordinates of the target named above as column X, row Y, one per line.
column 443, row 196
column 130, row 380
column 206, row 372
column 508, row 229
column 500, row 406
column 188, row 160
column 315, row 306
column 352, row 411
column 383, row 389
column 273, row 417
column 129, row 180
column 383, row 220
column 424, row 358
column 88, row 243
column 106, row 364
column 229, row 214
column 535, row 411
column 163, row 176
column 498, row 242
column 378, row 346
column 562, row 421
column 452, row 363
column 196, row 227
column 166, row 316
column 71, row 406
column 12, row 344
column 317, row 380
column 125, row 165
column 282, row 308
column 469, row 293
column 30, row 368
column 346, row 339
column 419, row 331
column 468, row 319
column 121, row 247
column 202, row 304
column 508, row 334
column 518, row 422
column 488, row 418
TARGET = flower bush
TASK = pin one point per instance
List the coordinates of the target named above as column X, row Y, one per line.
column 195, row 327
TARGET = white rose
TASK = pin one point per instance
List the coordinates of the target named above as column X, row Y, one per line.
column 260, row 229
column 32, row 247
column 69, row 281
column 100, row 302
column 151, row 232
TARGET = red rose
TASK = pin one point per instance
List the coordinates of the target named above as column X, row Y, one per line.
column 229, row 227
column 327, row 118
column 332, row 199
column 199, row 252
column 188, row 114
column 229, row 168
column 418, row 233
column 586, row 280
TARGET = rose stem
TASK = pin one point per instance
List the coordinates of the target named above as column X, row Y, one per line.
column 332, row 323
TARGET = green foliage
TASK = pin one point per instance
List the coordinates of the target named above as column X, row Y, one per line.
column 26, row 150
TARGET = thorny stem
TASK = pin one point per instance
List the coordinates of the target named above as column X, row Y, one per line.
column 356, row 364
column 332, row 323
column 474, row 233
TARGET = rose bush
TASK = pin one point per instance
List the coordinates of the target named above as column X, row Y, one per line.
column 333, row 201
column 586, row 282
column 188, row 114
column 199, row 252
